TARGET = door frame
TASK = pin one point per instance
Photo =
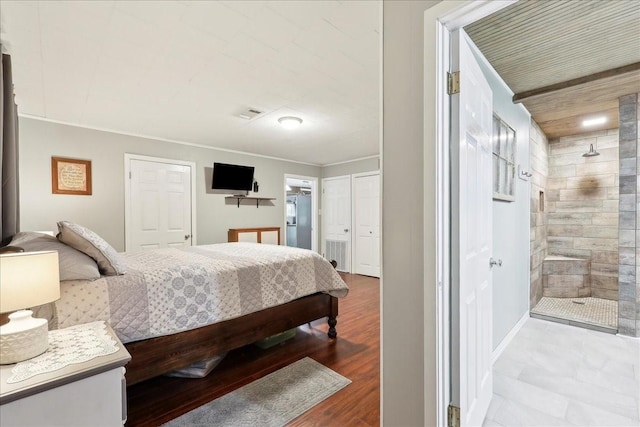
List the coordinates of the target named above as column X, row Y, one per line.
column 353, row 215
column 439, row 21
column 127, row 192
column 314, row 208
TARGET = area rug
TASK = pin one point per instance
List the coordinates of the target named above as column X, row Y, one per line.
column 273, row 400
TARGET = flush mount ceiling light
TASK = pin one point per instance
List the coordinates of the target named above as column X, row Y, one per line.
column 595, row 121
column 290, row 122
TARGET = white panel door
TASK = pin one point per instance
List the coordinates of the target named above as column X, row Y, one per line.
column 336, row 221
column 159, row 205
column 472, row 237
column 366, row 245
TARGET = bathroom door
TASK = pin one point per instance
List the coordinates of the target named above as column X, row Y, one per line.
column 471, row 208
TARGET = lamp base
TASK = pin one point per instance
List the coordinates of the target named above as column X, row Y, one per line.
column 24, row 337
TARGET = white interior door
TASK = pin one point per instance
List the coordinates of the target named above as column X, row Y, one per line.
column 472, row 236
column 336, row 221
column 366, row 219
column 159, row 205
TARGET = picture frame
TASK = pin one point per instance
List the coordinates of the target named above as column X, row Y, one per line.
column 71, row 176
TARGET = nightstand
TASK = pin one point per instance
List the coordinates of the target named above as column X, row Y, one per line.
column 91, row 393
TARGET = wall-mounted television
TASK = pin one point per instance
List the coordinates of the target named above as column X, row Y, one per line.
column 232, row 177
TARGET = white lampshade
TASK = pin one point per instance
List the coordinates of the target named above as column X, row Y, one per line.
column 28, row 279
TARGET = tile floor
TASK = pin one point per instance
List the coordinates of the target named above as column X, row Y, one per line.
column 553, row 374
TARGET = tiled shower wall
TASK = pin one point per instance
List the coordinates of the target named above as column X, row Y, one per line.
column 629, row 261
column 582, row 205
column 539, row 158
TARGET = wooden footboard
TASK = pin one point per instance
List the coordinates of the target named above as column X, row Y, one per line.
column 157, row 356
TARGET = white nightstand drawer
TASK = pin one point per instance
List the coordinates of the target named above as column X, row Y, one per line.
column 87, row 393
column 93, row 401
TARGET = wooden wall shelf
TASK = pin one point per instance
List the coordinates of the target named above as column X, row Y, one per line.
column 257, row 199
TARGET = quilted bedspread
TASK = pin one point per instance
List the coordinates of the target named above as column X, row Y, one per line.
column 171, row 290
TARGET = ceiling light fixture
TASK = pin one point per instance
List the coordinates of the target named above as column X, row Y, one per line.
column 290, row 122
column 595, row 121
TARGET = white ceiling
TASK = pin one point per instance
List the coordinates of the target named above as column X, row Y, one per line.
column 183, row 70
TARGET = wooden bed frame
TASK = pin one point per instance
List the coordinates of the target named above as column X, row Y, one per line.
column 157, row 356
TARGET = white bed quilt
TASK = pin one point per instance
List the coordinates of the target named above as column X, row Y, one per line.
column 166, row 291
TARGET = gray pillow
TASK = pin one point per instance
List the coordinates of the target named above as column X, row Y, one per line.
column 73, row 264
column 110, row 263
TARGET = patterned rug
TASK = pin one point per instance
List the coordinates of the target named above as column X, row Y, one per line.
column 273, row 400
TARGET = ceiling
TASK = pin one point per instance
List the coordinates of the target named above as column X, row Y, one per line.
column 184, row 71
column 565, row 60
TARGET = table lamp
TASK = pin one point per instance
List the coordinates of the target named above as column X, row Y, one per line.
column 27, row 279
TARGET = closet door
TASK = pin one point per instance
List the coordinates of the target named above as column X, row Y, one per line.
column 158, row 207
column 366, row 217
column 336, row 221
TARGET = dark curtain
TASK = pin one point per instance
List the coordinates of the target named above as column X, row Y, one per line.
column 9, row 208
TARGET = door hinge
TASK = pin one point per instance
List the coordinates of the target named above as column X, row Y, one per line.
column 453, row 83
column 129, row 175
column 453, row 416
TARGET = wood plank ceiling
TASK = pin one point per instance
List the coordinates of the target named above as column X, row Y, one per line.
column 565, row 60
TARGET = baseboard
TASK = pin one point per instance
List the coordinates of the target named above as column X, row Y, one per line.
column 628, row 336
column 507, row 339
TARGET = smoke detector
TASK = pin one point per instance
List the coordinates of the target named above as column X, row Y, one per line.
column 249, row 113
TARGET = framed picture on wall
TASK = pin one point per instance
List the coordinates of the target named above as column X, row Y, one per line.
column 70, row 176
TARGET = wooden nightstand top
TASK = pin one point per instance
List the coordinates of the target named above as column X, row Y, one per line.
column 68, row 374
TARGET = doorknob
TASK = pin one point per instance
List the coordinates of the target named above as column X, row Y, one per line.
column 186, row 236
column 493, row 262
column 346, row 230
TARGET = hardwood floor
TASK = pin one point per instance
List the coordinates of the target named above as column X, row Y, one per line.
column 355, row 355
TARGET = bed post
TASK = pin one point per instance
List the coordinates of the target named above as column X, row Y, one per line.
column 333, row 309
column 333, row 317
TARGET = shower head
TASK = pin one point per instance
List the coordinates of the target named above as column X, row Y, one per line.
column 591, row 152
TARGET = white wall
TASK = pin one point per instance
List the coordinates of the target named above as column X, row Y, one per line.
column 350, row 168
column 510, row 219
column 408, row 324
column 103, row 211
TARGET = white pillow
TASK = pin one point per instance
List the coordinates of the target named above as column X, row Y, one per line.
column 73, row 264
column 109, row 261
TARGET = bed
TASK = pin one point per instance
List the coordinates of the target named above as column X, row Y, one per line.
column 176, row 306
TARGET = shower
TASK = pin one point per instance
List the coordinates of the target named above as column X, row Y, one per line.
column 591, row 153
column 576, row 232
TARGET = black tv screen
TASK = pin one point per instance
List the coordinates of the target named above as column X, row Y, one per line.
column 232, row 177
